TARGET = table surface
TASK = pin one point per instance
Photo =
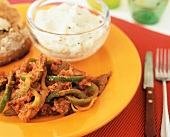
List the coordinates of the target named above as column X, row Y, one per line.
column 130, row 122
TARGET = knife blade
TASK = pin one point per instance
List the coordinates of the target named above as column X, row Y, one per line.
column 148, row 85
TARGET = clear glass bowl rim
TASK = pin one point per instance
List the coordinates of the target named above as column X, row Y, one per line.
column 37, row 4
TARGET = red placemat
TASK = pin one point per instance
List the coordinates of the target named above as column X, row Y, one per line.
column 130, row 123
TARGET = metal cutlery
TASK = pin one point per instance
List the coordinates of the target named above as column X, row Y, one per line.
column 148, row 85
column 162, row 73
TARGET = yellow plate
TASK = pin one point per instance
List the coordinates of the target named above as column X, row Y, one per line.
column 118, row 55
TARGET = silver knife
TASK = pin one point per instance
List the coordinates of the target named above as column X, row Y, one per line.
column 148, row 85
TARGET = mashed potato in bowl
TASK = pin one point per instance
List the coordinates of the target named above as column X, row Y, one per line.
column 69, row 31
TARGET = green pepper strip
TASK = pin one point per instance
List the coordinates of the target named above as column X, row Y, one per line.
column 23, row 90
column 36, row 99
column 82, row 102
column 7, row 92
column 66, row 79
column 75, row 92
column 24, row 65
column 26, row 62
column 9, row 112
column 32, row 60
column 23, row 77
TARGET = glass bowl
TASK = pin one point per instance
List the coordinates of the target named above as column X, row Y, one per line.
column 68, row 30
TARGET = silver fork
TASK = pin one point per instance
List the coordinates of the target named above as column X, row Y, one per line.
column 162, row 73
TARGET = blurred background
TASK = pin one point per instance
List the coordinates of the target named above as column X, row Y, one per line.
column 163, row 26
column 123, row 12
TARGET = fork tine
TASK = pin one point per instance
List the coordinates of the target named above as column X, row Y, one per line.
column 164, row 67
column 157, row 62
column 161, row 61
column 168, row 61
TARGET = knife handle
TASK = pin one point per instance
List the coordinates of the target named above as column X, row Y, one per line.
column 150, row 115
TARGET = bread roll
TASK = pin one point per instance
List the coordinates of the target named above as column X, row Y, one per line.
column 14, row 37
